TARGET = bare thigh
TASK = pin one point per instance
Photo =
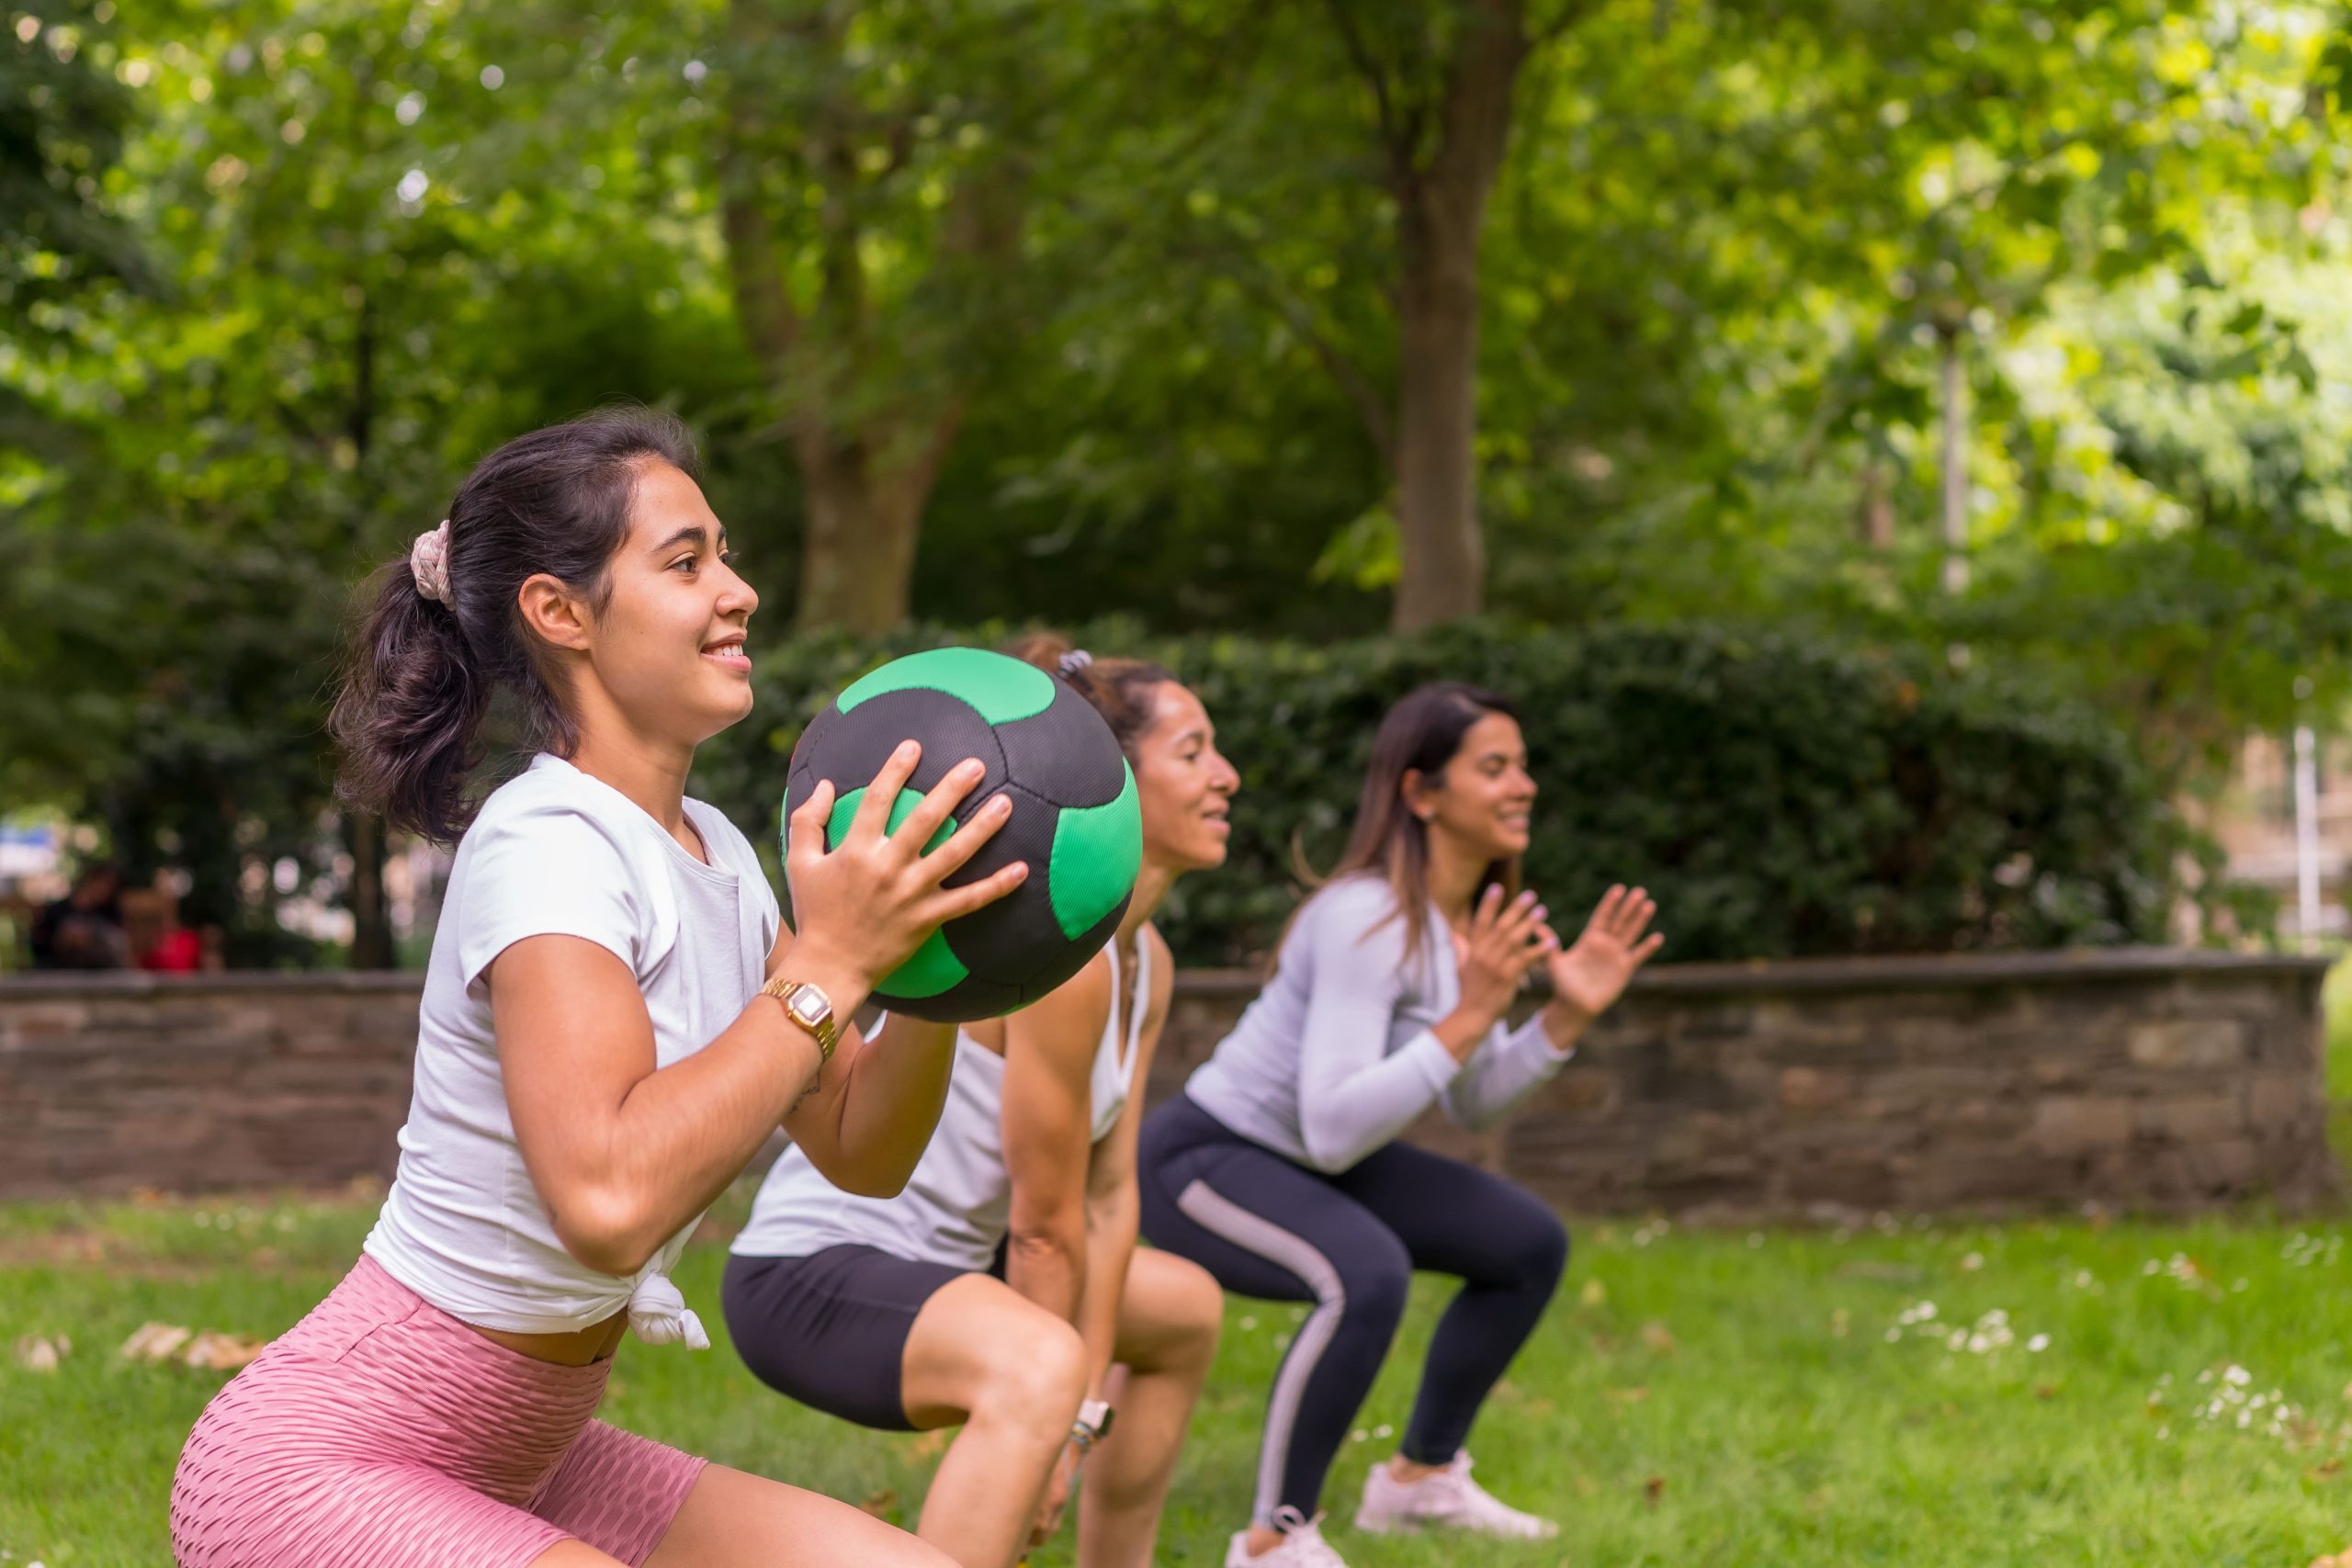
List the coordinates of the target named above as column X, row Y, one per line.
column 734, row 1520
column 962, row 1341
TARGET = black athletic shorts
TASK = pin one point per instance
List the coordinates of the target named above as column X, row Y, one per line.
column 829, row 1330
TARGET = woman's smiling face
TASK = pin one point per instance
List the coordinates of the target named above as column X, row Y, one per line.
column 1183, row 784
column 668, row 645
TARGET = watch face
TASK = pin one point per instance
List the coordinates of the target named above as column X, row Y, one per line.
column 810, row 1006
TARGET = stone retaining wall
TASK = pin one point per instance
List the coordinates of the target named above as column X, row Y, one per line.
column 2149, row 1078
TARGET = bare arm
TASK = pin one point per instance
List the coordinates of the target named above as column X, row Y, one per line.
column 625, row 1152
column 623, row 1156
column 1113, row 1211
column 867, row 1119
column 1048, row 1062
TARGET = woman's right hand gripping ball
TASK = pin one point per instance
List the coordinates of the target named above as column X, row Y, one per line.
column 868, row 903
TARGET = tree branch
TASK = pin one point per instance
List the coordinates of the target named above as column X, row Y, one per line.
column 1397, row 135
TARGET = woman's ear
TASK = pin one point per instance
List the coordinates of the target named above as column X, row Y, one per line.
column 1414, row 790
column 553, row 613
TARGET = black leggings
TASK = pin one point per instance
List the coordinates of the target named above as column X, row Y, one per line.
column 1348, row 1243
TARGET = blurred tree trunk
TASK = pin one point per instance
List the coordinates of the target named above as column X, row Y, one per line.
column 371, row 922
column 1874, row 510
column 1443, row 149
column 868, row 454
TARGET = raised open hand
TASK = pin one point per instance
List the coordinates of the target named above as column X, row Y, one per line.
column 1506, row 939
column 1593, row 973
column 874, row 897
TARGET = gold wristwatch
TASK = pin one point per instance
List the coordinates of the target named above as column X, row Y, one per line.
column 810, row 1007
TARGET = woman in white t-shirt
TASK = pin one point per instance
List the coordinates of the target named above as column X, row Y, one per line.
column 613, row 1023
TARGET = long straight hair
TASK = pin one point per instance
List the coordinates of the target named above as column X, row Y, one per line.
column 419, row 675
column 1420, row 735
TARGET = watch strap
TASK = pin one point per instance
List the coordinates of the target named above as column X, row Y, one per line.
column 826, row 1033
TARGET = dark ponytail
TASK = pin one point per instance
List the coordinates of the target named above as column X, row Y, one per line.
column 419, row 675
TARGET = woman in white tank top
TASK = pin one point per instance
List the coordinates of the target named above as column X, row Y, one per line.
column 1002, row 1289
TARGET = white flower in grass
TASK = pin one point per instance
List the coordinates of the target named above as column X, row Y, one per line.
column 2038, row 1344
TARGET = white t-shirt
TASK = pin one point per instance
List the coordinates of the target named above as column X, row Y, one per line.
column 555, row 851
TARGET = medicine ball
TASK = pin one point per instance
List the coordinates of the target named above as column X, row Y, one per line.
column 1075, row 818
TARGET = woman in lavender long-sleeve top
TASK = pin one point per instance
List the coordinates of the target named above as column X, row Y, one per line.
column 1279, row 1169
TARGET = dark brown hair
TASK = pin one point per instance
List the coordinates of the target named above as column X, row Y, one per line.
column 419, row 675
column 1421, row 734
column 1120, row 689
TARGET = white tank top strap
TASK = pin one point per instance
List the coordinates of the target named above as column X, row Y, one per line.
column 1115, row 1062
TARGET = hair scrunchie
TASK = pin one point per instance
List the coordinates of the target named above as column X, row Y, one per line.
column 428, row 562
column 1071, row 663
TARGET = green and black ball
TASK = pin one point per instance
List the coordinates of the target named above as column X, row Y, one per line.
column 1075, row 818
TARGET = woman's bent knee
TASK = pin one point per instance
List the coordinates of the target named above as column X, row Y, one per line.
column 1546, row 1254
column 1372, row 1293
column 1035, row 1376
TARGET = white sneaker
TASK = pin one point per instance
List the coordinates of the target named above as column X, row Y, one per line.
column 1302, row 1545
column 1447, row 1499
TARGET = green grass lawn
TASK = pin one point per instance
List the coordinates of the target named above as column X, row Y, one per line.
column 1716, row 1398
column 1905, row 1392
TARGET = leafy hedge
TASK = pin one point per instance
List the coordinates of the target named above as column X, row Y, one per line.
column 1782, row 797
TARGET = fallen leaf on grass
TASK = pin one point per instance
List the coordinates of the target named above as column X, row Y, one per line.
column 933, row 1441
column 37, row 1353
column 163, row 1342
column 1654, row 1488
column 1627, row 1396
column 882, row 1504
column 1658, row 1338
column 1594, row 1293
column 156, row 1341
column 2326, row 1468
column 221, row 1352
column 2045, row 1391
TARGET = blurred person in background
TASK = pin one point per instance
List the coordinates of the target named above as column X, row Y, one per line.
column 83, row 930
column 158, row 943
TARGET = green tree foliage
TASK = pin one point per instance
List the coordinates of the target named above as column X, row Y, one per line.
column 347, row 326
column 1116, row 294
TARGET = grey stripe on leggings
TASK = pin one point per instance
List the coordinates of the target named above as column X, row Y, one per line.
column 1221, row 1216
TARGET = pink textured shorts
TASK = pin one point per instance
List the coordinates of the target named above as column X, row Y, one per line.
column 383, row 1432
